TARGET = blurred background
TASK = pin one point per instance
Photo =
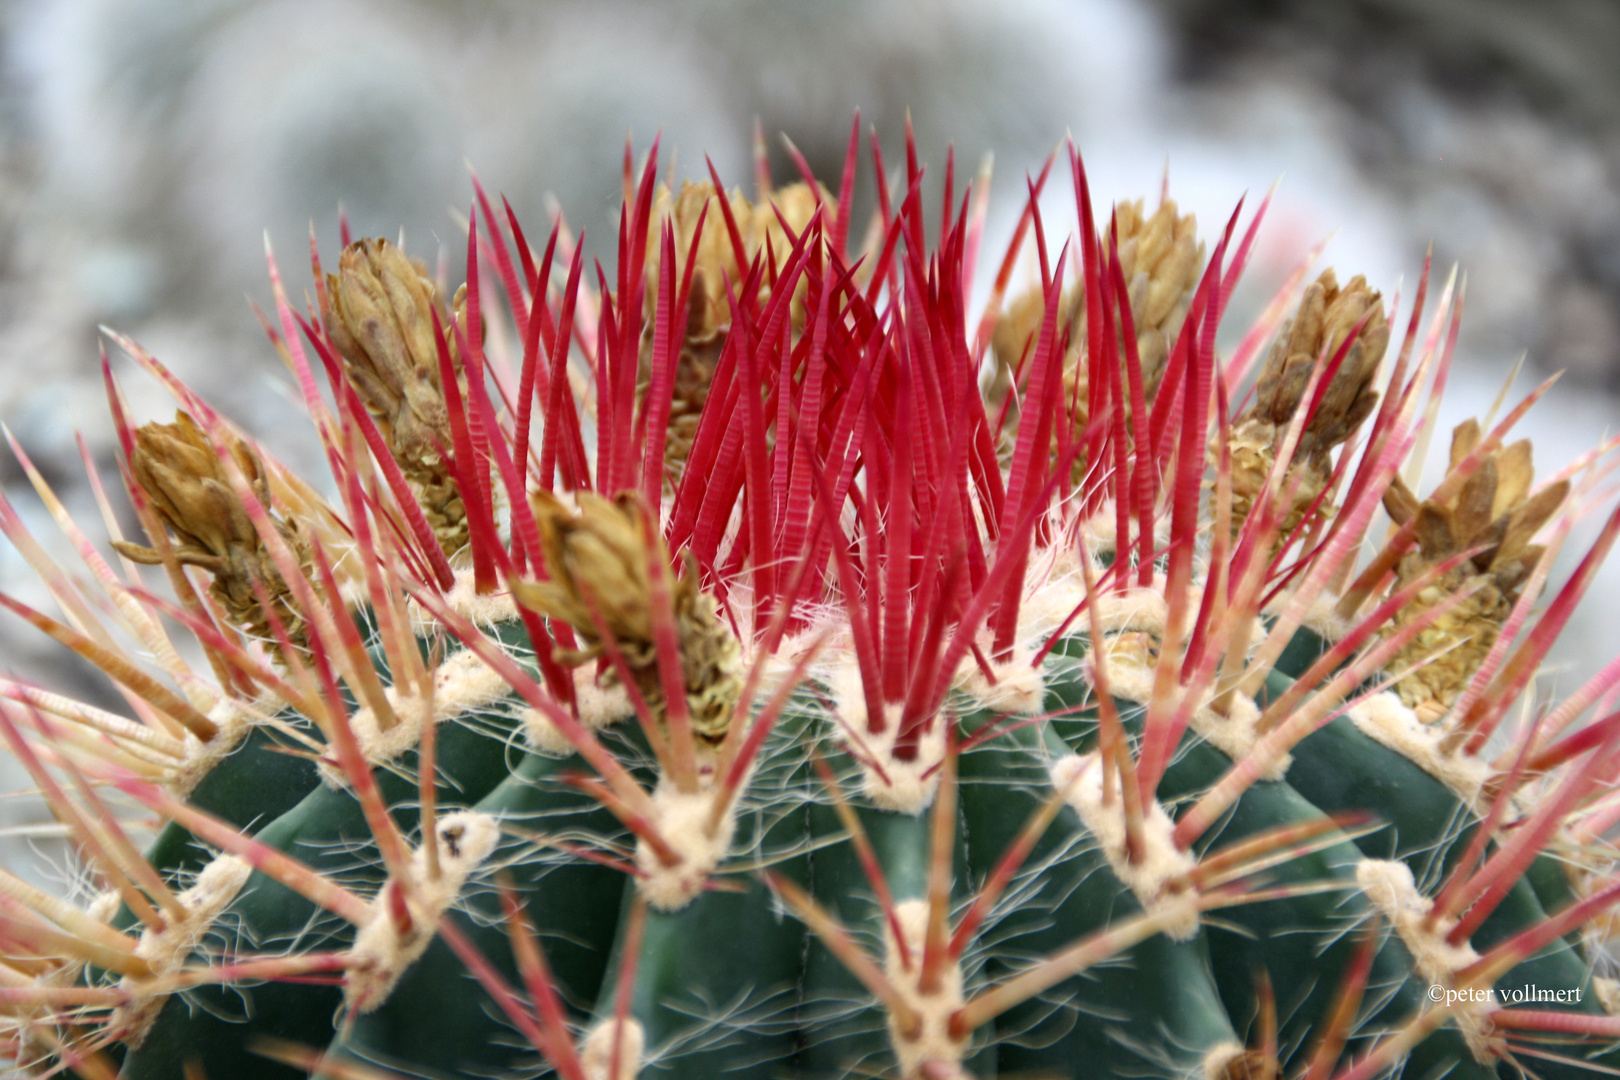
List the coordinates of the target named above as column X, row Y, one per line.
column 147, row 148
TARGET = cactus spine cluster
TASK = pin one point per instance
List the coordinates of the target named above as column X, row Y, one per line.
column 760, row 664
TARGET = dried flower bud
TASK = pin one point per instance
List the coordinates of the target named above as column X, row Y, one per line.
column 178, row 469
column 708, row 316
column 1012, row 342
column 1493, row 511
column 1160, row 258
column 709, row 313
column 379, row 315
column 1326, row 318
column 598, row 560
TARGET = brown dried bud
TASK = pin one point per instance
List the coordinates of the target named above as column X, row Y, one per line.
column 181, row 474
column 1012, row 343
column 709, row 312
column 1494, row 512
column 708, row 315
column 379, row 315
column 1160, row 258
column 1326, row 318
column 598, row 562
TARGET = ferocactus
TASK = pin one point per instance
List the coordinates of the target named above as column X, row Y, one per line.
column 712, row 683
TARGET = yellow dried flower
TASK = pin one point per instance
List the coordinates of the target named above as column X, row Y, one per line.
column 598, row 558
column 1160, row 258
column 709, row 315
column 1326, row 317
column 1493, row 510
column 178, row 469
column 379, row 315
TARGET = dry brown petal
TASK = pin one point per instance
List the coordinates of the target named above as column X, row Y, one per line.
column 1515, row 473
column 1399, row 501
column 1326, row 318
column 1528, row 518
column 1510, row 573
column 709, row 312
column 1160, row 258
column 1304, row 335
column 1489, row 540
column 1464, row 437
column 759, row 228
column 380, row 316
column 1014, row 336
column 1473, row 507
column 1435, row 534
column 708, row 316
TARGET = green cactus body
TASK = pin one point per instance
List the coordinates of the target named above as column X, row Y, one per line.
column 717, row 685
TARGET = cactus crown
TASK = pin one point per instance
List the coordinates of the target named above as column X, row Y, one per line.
column 717, row 682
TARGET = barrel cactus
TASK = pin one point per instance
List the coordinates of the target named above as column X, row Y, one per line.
column 758, row 663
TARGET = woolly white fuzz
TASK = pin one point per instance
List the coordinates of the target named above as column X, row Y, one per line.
column 1220, row 1058
column 1390, row 889
column 904, row 787
column 165, row 950
column 382, row 948
column 1322, row 618
column 600, row 706
column 596, row 1050
column 1080, row 779
column 104, row 906
column 1385, row 719
column 461, row 684
column 234, row 720
column 1234, row 734
column 1054, row 589
column 1100, row 532
column 1136, row 608
column 683, row 820
column 463, row 598
column 1019, row 687
column 931, row 1043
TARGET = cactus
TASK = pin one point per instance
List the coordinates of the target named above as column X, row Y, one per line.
column 695, row 674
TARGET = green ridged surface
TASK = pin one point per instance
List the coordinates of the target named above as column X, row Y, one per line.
column 326, row 831
column 1303, row 942
column 734, row 986
column 439, row 1018
column 1429, row 829
column 1152, row 1011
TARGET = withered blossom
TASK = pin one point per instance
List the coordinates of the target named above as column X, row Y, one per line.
column 1495, row 511
column 1325, row 320
column 379, row 315
column 709, row 315
column 597, row 559
column 1160, row 258
column 182, row 475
